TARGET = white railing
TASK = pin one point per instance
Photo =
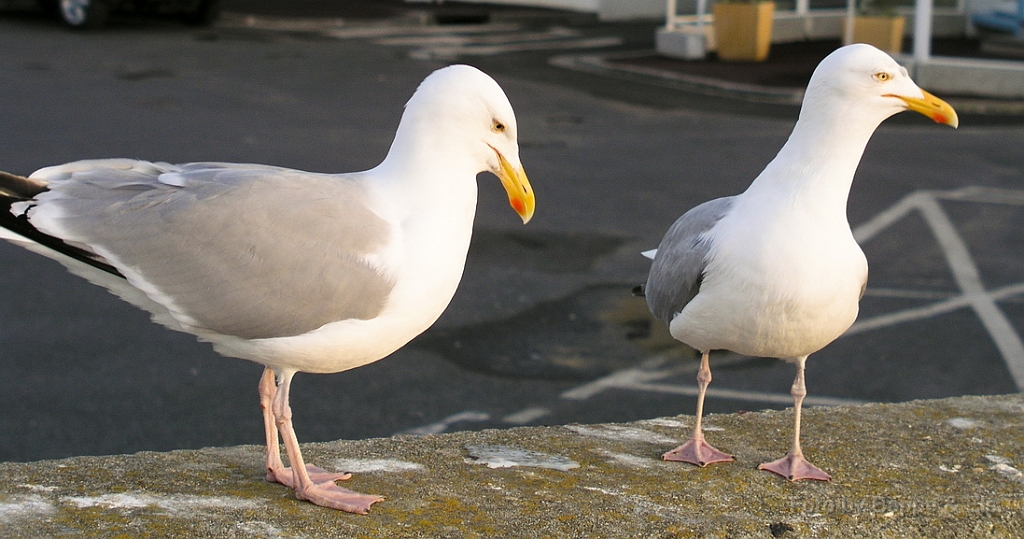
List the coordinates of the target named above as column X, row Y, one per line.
column 922, row 14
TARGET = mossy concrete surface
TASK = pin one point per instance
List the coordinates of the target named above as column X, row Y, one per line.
column 942, row 468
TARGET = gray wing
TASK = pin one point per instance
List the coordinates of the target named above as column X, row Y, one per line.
column 249, row 251
column 679, row 265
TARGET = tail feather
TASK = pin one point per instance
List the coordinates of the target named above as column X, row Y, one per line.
column 15, row 189
column 20, row 187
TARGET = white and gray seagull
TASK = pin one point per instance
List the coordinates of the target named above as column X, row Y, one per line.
column 298, row 271
column 775, row 271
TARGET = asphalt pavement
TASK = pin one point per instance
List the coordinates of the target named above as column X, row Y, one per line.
column 543, row 329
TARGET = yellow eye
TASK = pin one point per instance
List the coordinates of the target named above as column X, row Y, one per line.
column 882, row 76
column 498, row 127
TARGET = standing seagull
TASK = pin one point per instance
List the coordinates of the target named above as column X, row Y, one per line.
column 294, row 270
column 775, row 271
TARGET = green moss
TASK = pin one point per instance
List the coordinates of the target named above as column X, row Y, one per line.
column 885, row 460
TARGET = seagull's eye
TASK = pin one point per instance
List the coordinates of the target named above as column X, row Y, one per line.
column 882, row 76
column 498, row 127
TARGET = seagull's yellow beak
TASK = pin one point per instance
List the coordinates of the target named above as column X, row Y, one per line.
column 932, row 107
column 520, row 194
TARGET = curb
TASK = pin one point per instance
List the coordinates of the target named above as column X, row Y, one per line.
column 607, row 65
column 603, row 64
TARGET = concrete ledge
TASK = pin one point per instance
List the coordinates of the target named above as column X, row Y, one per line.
column 975, row 86
column 944, row 468
column 685, row 42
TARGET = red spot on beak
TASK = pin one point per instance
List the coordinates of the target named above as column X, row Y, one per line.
column 518, row 205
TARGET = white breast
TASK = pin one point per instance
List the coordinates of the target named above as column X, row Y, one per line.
column 778, row 284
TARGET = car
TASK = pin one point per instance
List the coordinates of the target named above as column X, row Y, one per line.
column 89, row 14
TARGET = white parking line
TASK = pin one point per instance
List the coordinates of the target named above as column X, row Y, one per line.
column 968, row 278
column 442, row 425
column 646, row 376
column 491, row 38
column 645, row 372
column 989, row 195
column 886, row 218
column 642, row 378
column 743, row 395
column 906, row 294
column 382, row 31
column 452, row 41
column 930, row 310
column 965, row 271
column 972, row 294
column 514, row 46
column 526, row 415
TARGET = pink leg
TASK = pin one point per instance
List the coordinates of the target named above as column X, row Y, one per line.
column 277, row 472
column 696, row 450
column 310, row 483
column 794, row 466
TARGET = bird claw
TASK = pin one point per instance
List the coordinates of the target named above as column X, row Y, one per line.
column 323, row 491
column 316, row 473
column 697, row 451
column 334, row 497
column 794, row 468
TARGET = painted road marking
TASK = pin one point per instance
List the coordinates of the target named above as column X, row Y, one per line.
column 431, row 42
column 961, row 263
column 526, row 415
column 442, row 425
column 647, row 376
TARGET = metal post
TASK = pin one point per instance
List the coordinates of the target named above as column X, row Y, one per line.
column 851, row 12
column 922, row 30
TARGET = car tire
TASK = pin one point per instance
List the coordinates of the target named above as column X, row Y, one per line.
column 204, row 14
column 83, row 14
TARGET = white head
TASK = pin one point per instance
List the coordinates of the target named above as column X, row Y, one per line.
column 868, row 86
column 461, row 107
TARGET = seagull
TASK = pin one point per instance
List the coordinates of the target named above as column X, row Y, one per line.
column 775, row 271
column 297, row 271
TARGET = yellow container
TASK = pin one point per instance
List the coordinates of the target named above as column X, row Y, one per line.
column 743, row 30
column 886, row 33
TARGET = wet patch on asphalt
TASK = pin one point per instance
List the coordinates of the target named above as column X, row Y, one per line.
column 543, row 251
column 591, row 333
